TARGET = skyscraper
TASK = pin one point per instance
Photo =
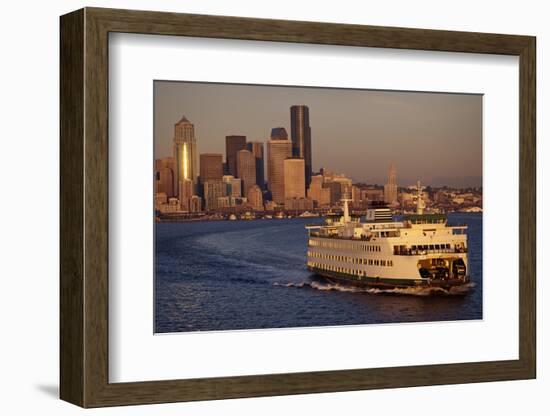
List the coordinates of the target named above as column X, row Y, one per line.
column 254, row 197
column 212, row 191
column 211, row 166
column 294, row 178
column 318, row 192
column 257, row 149
column 185, row 153
column 164, row 176
column 233, row 186
column 390, row 188
column 278, row 149
column 300, row 134
column 233, row 144
column 279, row 133
column 246, row 169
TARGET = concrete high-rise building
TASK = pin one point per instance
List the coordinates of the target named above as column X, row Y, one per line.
column 185, row 153
column 257, row 149
column 232, row 186
column 355, row 196
column 294, row 178
column 255, row 198
column 300, row 134
column 233, row 144
column 277, row 151
column 317, row 192
column 211, row 167
column 212, row 191
column 164, row 176
column 345, row 185
column 390, row 188
column 246, row 169
column 185, row 192
column 335, row 189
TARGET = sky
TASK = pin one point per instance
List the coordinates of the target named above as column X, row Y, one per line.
column 432, row 137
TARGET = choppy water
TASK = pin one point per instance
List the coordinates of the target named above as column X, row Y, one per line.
column 227, row 275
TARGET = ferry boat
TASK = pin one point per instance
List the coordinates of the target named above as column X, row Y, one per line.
column 415, row 250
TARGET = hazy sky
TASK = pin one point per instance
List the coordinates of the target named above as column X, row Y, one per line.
column 434, row 137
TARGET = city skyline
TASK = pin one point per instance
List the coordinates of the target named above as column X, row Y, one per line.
column 435, row 137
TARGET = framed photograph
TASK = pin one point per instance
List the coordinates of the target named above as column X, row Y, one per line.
column 255, row 207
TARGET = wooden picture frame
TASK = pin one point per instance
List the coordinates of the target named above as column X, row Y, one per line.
column 84, row 207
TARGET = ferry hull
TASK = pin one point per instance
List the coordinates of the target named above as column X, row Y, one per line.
column 387, row 283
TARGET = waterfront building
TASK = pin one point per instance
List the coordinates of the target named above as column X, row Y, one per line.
column 246, row 169
column 236, row 201
column 160, row 199
column 211, row 167
column 294, row 178
column 270, row 205
column 278, row 149
column 233, row 144
column 255, row 198
column 298, row 204
column 257, row 149
column 185, row 153
column 164, row 176
column 212, row 191
column 195, row 203
column 233, row 185
column 223, row 202
column 390, row 188
column 317, row 192
column 171, row 206
column 300, row 132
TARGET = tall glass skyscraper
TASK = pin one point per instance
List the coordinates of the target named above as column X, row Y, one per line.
column 233, row 144
column 185, row 153
column 257, row 149
column 300, row 134
column 279, row 148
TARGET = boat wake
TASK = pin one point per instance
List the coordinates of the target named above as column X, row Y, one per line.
column 409, row 291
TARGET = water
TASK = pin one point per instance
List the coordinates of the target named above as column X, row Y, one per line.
column 228, row 275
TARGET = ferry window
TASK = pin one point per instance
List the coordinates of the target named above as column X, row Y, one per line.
column 448, row 246
column 431, row 246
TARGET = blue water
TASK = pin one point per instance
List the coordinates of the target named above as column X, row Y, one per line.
column 227, row 275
